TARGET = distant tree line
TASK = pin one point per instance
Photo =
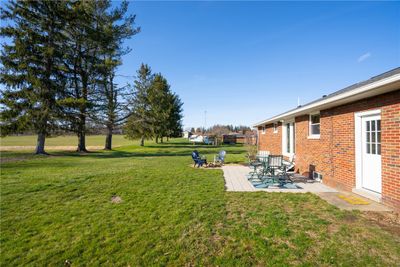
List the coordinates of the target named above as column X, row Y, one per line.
column 59, row 67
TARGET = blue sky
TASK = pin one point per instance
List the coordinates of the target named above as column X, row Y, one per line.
column 246, row 61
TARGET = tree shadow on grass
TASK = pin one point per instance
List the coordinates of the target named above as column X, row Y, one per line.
column 161, row 150
column 187, row 145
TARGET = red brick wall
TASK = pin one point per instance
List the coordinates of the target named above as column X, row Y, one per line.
column 270, row 141
column 311, row 151
column 333, row 155
column 391, row 150
column 343, row 144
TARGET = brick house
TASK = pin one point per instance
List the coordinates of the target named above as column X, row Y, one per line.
column 351, row 138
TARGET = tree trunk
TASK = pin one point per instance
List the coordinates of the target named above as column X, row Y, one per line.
column 142, row 141
column 108, row 145
column 162, row 139
column 40, row 144
column 167, row 138
column 156, row 139
column 81, row 142
column 82, row 115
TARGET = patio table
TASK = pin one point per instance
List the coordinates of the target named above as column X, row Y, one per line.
column 270, row 174
column 255, row 165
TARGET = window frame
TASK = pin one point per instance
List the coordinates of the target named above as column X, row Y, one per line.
column 263, row 129
column 275, row 127
column 310, row 124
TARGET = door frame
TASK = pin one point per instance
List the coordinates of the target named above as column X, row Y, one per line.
column 358, row 149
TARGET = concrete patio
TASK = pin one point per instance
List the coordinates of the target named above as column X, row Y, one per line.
column 236, row 181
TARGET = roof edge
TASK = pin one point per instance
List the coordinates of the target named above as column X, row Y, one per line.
column 360, row 90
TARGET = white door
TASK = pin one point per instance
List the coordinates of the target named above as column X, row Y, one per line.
column 371, row 178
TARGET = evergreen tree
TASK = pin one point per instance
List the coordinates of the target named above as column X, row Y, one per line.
column 81, row 50
column 111, row 102
column 31, row 67
column 140, row 122
column 160, row 106
column 175, row 116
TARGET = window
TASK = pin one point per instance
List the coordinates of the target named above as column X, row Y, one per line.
column 263, row 130
column 373, row 137
column 288, row 139
column 275, row 127
column 314, row 125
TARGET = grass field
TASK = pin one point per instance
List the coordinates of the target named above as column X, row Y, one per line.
column 68, row 140
column 58, row 208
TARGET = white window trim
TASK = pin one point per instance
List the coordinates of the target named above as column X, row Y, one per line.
column 275, row 126
column 314, row 136
column 284, row 133
column 263, row 129
column 357, row 139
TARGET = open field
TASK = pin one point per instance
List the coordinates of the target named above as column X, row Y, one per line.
column 58, row 208
column 66, row 142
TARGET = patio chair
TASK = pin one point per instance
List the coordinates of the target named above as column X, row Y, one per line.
column 263, row 153
column 198, row 160
column 289, row 164
column 277, row 169
column 254, row 164
column 219, row 159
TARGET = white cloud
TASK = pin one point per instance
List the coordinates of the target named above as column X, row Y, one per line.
column 364, row 57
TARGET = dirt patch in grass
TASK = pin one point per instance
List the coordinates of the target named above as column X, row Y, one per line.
column 116, row 199
column 13, row 159
column 390, row 221
column 205, row 167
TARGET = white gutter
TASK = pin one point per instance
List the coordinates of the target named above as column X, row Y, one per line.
column 351, row 95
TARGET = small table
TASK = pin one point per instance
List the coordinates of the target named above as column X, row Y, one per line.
column 264, row 163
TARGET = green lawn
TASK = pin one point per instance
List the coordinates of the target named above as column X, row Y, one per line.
column 67, row 140
column 58, row 208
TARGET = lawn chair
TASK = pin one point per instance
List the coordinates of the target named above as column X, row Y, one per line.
column 199, row 161
column 219, row 159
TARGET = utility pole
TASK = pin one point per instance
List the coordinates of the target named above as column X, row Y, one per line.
column 205, row 120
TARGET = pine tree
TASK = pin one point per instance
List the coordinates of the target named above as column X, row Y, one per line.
column 81, row 61
column 111, row 102
column 139, row 123
column 174, row 122
column 31, row 67
column 159, row 102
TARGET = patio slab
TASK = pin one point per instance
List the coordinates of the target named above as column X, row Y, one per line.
column 236, row 181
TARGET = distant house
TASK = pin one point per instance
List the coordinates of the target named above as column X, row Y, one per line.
column 238, row 138
column 350, row 138
column 186, row 134
column 202, row 139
